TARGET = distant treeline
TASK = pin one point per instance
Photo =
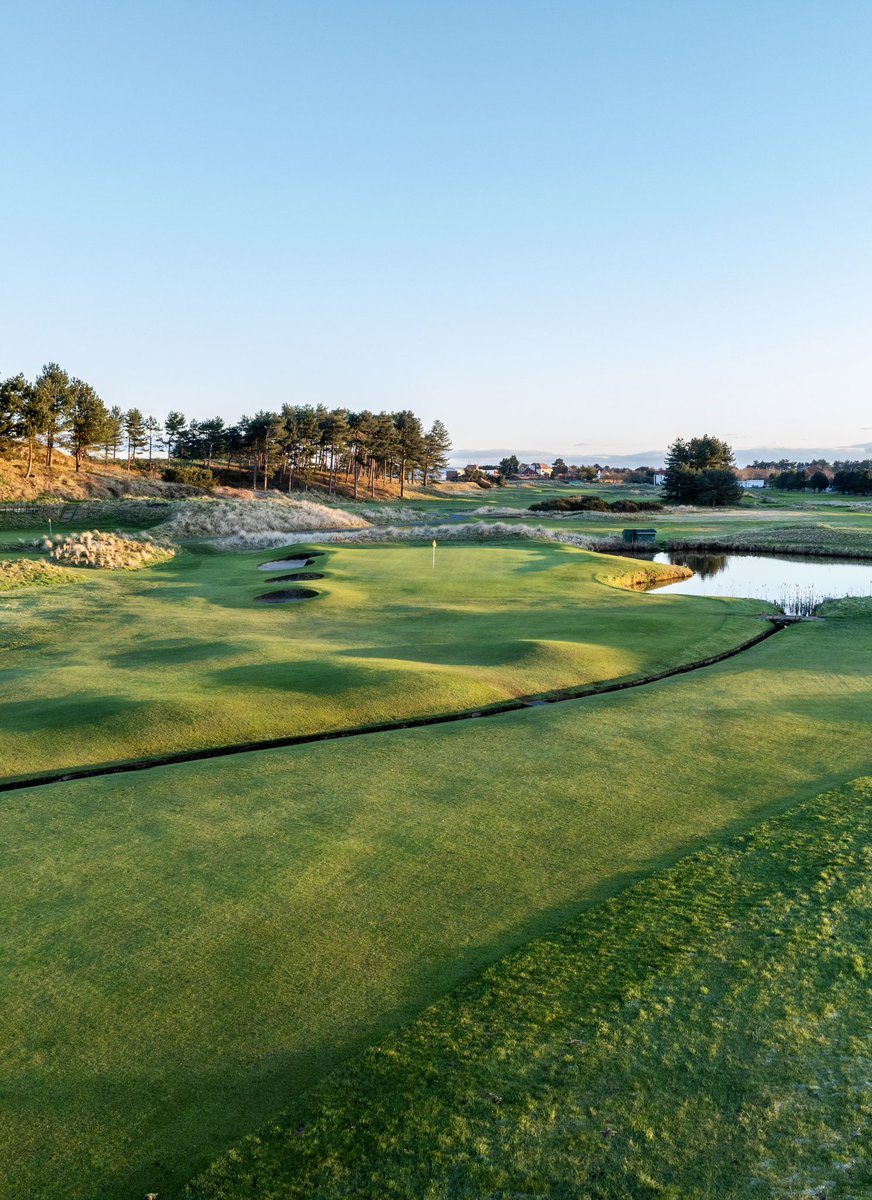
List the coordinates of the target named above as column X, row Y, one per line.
column 58, row 410
column 839, row 464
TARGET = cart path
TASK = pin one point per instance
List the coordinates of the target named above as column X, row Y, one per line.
column 777, row 623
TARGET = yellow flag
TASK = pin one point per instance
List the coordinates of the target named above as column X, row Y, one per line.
column 434, row 543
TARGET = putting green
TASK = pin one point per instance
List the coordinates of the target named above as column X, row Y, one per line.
column 182, row 656
column 192, row 947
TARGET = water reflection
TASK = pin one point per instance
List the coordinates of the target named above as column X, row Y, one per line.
column 797, row 585
column 704, row 565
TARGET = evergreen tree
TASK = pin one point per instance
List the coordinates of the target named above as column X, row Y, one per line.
column 134, row 428
column 152, row 428
column 174, row 426
column 113, row 436
column 14, row 393
column 53, row 398
column 410, row 447
column 87, row 419
column 437, row 447
column 687, row 462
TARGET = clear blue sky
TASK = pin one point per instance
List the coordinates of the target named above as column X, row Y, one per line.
column 561, row 225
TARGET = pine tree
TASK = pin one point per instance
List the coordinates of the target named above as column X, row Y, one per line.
column 437, row 447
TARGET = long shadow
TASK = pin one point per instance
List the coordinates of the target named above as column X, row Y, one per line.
column 492, row 710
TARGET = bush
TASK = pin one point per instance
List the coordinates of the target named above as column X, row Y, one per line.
column 192, row 476
column 595, row 504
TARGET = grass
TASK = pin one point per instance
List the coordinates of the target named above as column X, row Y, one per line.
column 180, row 656
column 21, row 573
column 106, row 551
column 702, row 1034
column 192, row 948
column 820, row 538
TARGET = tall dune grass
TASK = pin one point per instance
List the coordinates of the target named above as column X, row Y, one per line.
column 106, row 551
column 229, row 518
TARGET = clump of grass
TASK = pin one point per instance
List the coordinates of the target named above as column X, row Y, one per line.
column 18, row 573
column 229, row 518
column 106, row 551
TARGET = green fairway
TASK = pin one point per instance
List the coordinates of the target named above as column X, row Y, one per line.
column 703, row 1034
column 192, row 947
column 180, row 657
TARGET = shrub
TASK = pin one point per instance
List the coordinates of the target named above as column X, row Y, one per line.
column 192, row 476
column 595, row 504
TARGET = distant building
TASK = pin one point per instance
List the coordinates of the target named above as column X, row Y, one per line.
column 535, row 471
column 752, row 483
column 659, row 478
column 452, row 475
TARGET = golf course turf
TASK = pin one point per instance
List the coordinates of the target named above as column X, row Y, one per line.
column 193, row 947
column 703, row 1034
column 181, row 656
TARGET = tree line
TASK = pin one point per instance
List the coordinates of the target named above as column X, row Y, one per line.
column 285, row 447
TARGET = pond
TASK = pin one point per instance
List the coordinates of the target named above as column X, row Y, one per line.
column 796, row 584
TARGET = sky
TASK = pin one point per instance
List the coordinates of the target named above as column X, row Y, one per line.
column 564, row 227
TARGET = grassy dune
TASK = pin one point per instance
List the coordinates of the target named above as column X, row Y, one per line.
column 181, row 657
column 192, row 948
column 703, row 1034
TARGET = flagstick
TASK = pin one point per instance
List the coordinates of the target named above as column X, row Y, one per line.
column 434, row 554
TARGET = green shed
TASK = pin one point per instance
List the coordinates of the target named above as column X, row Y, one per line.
column 636, row 536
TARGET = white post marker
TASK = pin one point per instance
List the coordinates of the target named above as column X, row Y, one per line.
column 434, row 554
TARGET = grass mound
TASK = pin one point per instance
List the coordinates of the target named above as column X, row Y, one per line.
column 106, row 551
column 645, row 575
column 704, row 1033
column 18, row 573
column 228, row 518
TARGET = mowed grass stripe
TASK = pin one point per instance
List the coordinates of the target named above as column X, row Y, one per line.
column 703, row 1034
column 189, row 949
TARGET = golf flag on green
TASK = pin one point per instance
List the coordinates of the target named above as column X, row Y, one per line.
column 434, row 554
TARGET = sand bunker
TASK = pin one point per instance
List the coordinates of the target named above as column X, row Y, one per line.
column 286, row 595
column 302, row 576
column 292, row 563
column 285, row 564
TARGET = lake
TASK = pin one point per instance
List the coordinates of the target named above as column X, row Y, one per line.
column 796, row 584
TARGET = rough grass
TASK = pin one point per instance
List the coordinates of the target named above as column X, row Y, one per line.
column 181, row 657
column 189, row 949
column 478, row 531
column 703, row 1034
column 106, row 551
column 227, row 518
column 815, row 539
column 19, row 573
